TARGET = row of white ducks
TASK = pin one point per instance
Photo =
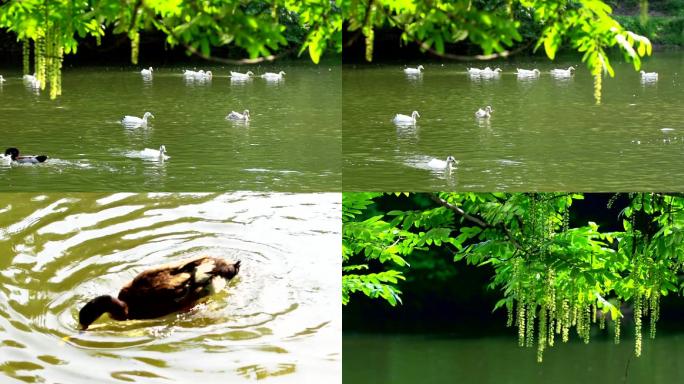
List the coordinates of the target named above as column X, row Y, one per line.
column 269, row 76
column 482, row 113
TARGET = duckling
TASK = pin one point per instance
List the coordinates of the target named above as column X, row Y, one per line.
column 163, row 290
column 413, row 71
column 136, row 122
column 270, row 76
column 13, row 153
column 244, row 116
column 241, row 76
column 441, row 164
column 562, row 72
column 645, row 76
column 485, row 113
column 405, row 119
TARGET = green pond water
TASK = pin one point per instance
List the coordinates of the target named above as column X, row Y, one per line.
column 292, row 143
column 399, row 359
column 545, row 134
column 279, row 319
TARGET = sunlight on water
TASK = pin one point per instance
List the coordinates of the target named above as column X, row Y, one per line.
column 279, row 318
column 545, row 133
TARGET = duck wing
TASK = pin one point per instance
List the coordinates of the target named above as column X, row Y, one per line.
column 173, row 287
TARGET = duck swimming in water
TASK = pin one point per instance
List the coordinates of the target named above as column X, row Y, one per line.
column 13, row 153
column 163, row 290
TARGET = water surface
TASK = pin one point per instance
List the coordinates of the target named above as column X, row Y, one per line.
column 291, row 144
column 279, row 319
column 404, row 359
column 545, row 134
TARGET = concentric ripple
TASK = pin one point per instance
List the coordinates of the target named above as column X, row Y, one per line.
column 280, row 318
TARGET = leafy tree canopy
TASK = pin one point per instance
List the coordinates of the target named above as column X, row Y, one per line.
column 552, row 276
column 496, row 25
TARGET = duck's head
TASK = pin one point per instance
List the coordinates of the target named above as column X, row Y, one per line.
column 147, row 115
column 536, row 71
column 150, row 69
column 208, row 73
column 246, row 113
column 420, row 67
column 497, row 70
column 100, row 305
column 489, row 109
column 450, row 160
column 162, row 149
column 12, row 153
column 250, row 73
column 571, row 68
column 415, row 114
column 281, row 73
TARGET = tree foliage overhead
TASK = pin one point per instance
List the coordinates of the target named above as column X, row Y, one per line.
column 261, row 28
column 552, row 276
column 495, row 26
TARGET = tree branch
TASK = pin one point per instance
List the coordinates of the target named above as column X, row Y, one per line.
column 479, row 222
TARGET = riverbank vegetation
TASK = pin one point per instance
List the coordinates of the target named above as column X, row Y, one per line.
column 555, row 270
column 264, row 30
column 501, row 28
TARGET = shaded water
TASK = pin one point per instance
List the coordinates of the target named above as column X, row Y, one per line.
column 291, row 144
column 400, row 359
column 278, row 319
column 545, row 134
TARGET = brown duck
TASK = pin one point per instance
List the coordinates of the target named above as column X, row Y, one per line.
column 159, row 291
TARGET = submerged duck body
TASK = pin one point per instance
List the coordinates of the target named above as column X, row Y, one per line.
column 13, row 154
column 163, row 290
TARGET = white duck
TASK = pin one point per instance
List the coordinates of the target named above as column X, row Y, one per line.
column 649, row 76
column 154, row 154
column 30, row 78
column 273, row 76
column 404, row 119
column 237, row 116
column 527, row 72
column 241, row 76
column 135, row 122
column 413, row 71
column 188, row 73
column 2, row 79
column 441, row 164
column 484, row 113
column 146, row 72
column 201, row 75
column 562, row 72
